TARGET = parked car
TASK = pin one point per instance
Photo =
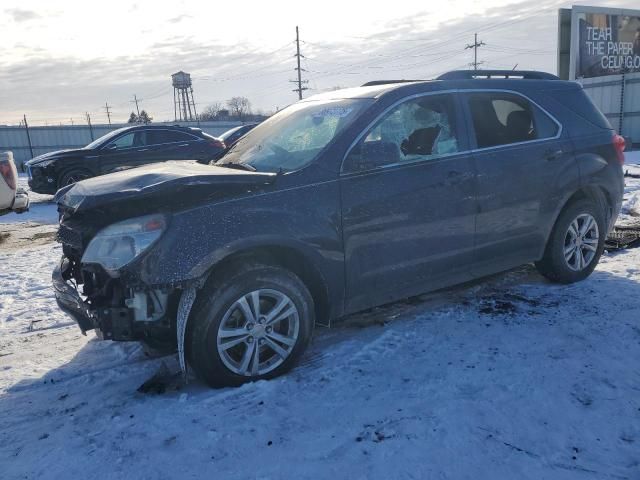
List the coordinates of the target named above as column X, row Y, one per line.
column 230, row 137
column 341, row 202
column 118, row 150
column 12, row 198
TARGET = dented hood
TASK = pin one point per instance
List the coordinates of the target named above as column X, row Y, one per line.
column 158, row 184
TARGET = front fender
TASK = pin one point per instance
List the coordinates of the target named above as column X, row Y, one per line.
column 302, row 218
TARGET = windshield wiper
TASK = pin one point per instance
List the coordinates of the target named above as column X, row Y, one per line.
column 237, row 166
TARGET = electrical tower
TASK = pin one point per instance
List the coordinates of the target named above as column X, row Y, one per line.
column 184, row 106
column 299, row 69
column 475, row 47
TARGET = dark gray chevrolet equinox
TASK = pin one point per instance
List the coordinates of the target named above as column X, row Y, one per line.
column 338, row 203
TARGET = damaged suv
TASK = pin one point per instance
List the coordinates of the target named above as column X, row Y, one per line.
column 338, row 203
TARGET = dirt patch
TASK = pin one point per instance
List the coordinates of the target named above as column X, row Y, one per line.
column 26, row 235
column 45, row 236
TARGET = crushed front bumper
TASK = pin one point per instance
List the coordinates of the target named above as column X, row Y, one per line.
column 111, row 321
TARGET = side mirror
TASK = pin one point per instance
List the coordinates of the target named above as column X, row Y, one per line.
column 113, row 146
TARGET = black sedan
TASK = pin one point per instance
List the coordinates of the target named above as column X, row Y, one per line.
column 232, row 136
column 119, row 150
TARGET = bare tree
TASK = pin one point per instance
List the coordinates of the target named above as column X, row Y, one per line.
column 211, row 111
column 239, row 107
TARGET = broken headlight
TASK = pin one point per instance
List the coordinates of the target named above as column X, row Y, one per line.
column 118, row 244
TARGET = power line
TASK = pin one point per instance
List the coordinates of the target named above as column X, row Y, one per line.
column 475, row 47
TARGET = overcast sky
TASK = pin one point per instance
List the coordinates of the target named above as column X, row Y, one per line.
column 61, row 59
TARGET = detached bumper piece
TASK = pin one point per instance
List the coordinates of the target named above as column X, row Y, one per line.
column 109, row 323
column 69, row 300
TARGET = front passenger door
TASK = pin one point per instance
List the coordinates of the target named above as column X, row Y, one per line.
column 129, row 150
column 408, row 203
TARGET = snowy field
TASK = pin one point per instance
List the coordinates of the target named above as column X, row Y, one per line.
column 508, row 378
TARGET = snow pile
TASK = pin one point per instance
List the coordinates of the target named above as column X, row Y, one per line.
column 512, row 377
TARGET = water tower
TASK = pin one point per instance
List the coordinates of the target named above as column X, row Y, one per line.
column 184, row 106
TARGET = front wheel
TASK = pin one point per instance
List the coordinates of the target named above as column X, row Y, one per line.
column 576, row 243
column 252, row 324
column 72, row 177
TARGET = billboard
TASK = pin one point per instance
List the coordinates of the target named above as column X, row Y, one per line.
column 604, row 42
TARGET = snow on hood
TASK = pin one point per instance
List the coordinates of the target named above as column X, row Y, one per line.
column 159, row 180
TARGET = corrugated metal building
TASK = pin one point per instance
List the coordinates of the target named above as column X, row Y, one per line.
column 618, row 97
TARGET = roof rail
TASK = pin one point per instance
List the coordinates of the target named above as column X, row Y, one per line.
column 387, row 82
column 472, row 74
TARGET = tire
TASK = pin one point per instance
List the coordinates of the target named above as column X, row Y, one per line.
column 72, row 176
column 220, row 319
column 558, row 264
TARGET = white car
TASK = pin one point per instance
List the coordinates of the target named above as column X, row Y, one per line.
column 12, row 199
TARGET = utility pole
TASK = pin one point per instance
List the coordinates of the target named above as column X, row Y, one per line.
column 26, row 126
column 106, row 107
column 135, row 100
column 90, row 126
column 475, row 47
column 298, row 55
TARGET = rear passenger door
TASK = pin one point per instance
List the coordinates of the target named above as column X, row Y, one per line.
column 408, row 203
column 167, row 144
column 525, row 168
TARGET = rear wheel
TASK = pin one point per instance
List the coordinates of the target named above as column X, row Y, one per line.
column 576, row 243
column 72, row 176
column 253, row 324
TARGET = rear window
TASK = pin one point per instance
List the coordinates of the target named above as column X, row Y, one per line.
column 503, row 118
column 579, row 102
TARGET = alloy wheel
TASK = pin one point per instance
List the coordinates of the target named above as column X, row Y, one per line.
column 75, row 178
column 581, row 242
column 258, row 332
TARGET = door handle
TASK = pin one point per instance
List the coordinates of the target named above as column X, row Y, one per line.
column 553, row 154
column 143, row 149
column 184, row 145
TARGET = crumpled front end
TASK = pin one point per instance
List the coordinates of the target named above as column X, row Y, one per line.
column 118, row 309
column 121, row 272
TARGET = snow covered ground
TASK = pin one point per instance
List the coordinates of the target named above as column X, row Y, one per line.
column 508, row 378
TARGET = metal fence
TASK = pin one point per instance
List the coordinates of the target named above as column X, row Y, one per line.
column 26, row 143
column 618, row 97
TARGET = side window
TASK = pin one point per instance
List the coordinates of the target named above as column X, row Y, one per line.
column 174, row 136
column 156, row 137
column 128, row 140
column 423, row 128
column 502, row 118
